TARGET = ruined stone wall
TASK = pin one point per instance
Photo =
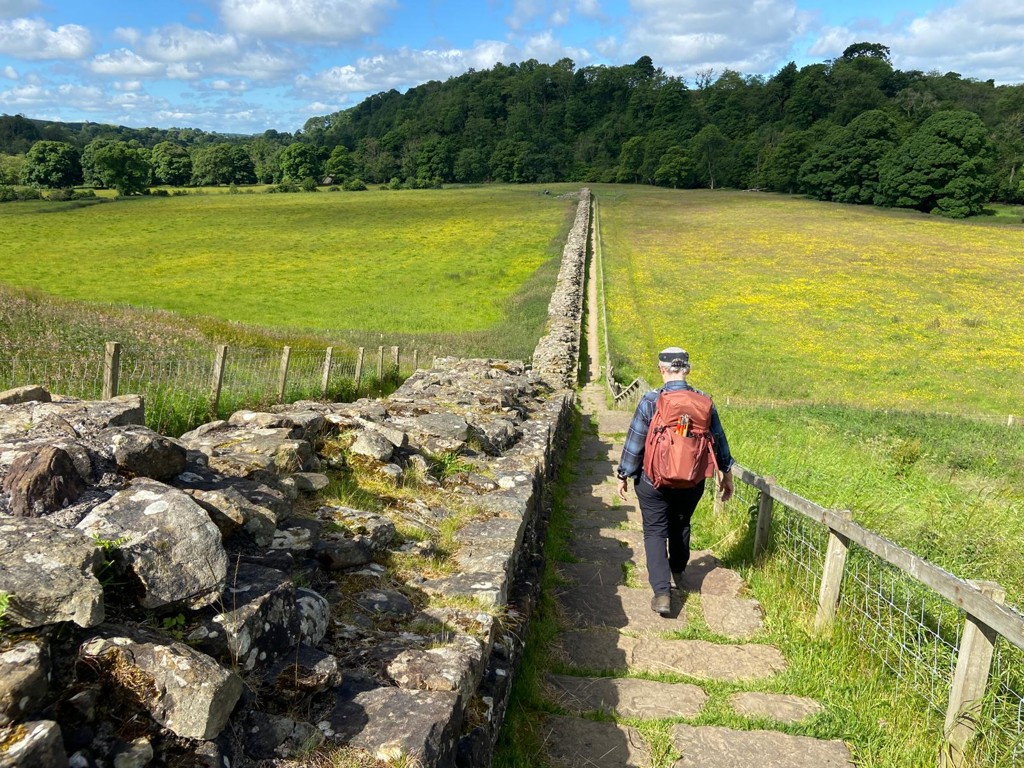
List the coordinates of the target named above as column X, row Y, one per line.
column 195, row 601
column 557, row 355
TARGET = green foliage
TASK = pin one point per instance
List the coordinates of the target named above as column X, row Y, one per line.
column 5, row 601
column 354, row 185
column 220, row 164
column 299, row 161
column 117, row 165
column 109, row 548
column 52, row 164
column 943, row 167
column 846, row 165
column 171, row 164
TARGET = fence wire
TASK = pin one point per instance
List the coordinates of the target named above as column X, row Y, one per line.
column 911, row 629
column 178, row 387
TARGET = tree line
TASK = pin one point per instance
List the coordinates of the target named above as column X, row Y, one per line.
column 853, row 129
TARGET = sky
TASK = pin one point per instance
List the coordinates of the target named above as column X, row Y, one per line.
column 245, row 66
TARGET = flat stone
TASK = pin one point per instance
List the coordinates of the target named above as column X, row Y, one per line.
column 704, row 660
column 735, row 617
column 384, row 602
column 776, row 706
column 373, row 445
column 455, row 668
column 392, row 723
column 24, row 679
column 141, row 452
column 602, row 549
column 571, row 742
column 617, row 607
column 598, row 650
column 27, row 394
column 717, row 747
column 310, row 482
column 378, row 530
column 335, row 552
column 49, row 572
column 627, row 697
column 591, row 574
column 488, row 588
column 304, row 670
column 705, row 574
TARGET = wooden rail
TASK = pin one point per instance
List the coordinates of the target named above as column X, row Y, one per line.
column 985, row 615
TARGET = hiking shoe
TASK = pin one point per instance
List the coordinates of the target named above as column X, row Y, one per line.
column 677, row 579
column 662, row 604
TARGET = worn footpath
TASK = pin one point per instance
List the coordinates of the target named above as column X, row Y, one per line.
column 617, row 648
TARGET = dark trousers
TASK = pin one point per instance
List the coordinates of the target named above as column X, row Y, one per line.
column 666, row 514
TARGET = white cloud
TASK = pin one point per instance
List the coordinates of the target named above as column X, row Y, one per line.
column 128, row 86
column 545, row 47
column 259, row 64
column 178, row 44
column 236, row 86
column 125, row 63
column 683, row 36
column 185, row 71
column 978, row 38
column 523, row 12
column 323, row 21
column 9, row 72
column 33, row 39
column 403, row 68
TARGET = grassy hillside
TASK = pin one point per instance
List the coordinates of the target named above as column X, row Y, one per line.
column 415, row 262
column 837, row 340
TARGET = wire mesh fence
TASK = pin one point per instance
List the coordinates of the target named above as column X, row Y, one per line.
column 916, row 633
column 182, row 390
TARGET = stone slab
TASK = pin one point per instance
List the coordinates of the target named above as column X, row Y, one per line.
column 626, row 697
column 602, row 549
column 706, row 661
column 735, row 617
column 591, row 574
column 717, row 747
column 617, row 607
column 598, row 650
column 574, row 743
column 776, row 706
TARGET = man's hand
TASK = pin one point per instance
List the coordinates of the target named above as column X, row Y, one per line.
column 725, row 485
column 623, row 487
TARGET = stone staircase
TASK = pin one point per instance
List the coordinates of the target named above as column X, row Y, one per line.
column 611, row 641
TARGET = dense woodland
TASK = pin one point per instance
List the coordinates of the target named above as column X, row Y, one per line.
column 852, row 129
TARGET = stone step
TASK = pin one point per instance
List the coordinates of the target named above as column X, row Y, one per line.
column 571, row 742
column 626, row 696
column 737, row 618
column 774, row 706
column 617, row 607
column 717, row 747
column 606, row 650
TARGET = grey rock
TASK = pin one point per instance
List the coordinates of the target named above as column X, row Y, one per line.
column 310, row 482
column 449, row 668
column 300, row 536
column 447, row 426
column 378, row 530
column 303, row 671
column 24, row 679
column 27, row 394
column 137, row 754
column 172, row 548
column 268, row 736
column 184, row 690
column 233, row 501
column 42, row 482
column 335, row 552
column 313, row 612
column 35, row 744
column 49, row 574
column 374, row 445
column 393, row 435
column 571, row 742
column 142, row 452
column 735, row 617
column 384, row 602
column 627, row 697
column 393, row 722
column 774, row 706
column 489, row 588
column 392, row 471
column 245, row 451
column 495, row 435
column 717, row 747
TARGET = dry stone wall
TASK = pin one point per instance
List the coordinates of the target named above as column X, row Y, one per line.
column 195, row 601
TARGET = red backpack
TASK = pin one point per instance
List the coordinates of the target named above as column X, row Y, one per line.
column 679, row 450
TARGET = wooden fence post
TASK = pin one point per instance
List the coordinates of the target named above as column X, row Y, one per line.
column 395, row 358
column 415, row 360
column 111, row 369
column 326, row 379
column 380, row 363
column 764, row 521
column 832, row 577
column 359, row 369
column 282, row 380
column 973, row 663
column 219, row 361
column 1009, row 420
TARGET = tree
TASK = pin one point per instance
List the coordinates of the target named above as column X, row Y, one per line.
column 339, row 164
column 675, row 168
column 222, row 164
column 118, row 165
column 171, row 164
column 707, row 149
column 299, row 161
column 943, row 167
column 52, row 164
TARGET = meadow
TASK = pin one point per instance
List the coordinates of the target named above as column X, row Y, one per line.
column 867, row 359
column 452, row 264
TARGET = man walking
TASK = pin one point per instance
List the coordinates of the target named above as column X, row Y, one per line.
column 667, row 511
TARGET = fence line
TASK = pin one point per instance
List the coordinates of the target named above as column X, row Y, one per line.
column 951, row 641
column 182, row 390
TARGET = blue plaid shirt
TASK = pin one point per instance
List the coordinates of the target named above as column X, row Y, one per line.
column 632, row 462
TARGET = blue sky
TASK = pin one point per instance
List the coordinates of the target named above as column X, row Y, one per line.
column 244, row 66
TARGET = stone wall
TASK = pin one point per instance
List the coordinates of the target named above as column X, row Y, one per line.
column 557, row 355
column 196, row 602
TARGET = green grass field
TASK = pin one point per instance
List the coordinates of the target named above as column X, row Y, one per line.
column 867, row 359
column 442, row 263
